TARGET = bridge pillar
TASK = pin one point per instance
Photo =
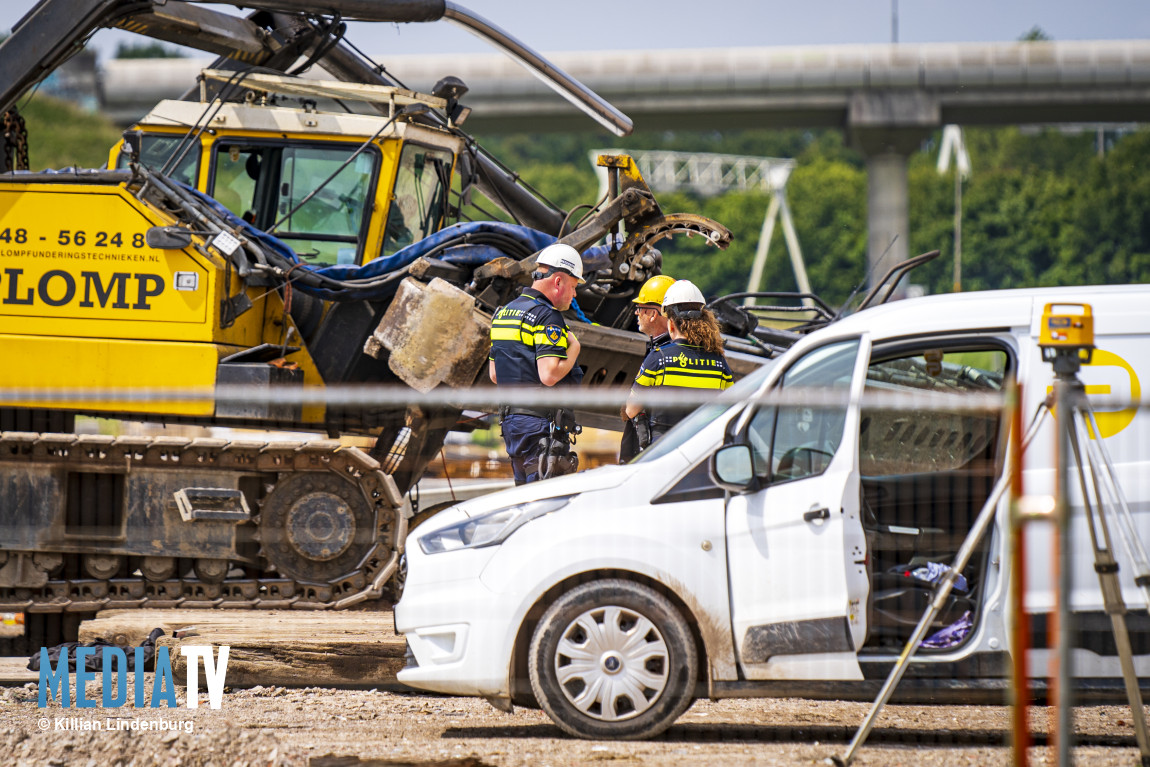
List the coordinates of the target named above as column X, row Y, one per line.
column 888, row 212
column 887, row 127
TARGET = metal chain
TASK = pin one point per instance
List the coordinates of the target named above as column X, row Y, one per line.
column 15, row 141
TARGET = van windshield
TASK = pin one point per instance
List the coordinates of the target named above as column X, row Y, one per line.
column 690, row 426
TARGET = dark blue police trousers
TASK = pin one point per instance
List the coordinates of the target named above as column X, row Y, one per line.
column 523, row 435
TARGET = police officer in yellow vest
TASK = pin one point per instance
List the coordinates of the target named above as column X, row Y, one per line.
column 693, row 360
column 649, row 314
column 531, row 345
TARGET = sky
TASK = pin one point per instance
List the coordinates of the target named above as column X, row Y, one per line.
column 589, row 25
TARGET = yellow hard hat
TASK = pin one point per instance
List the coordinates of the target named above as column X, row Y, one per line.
column 654, row 290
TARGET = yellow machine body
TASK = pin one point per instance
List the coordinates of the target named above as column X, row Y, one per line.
column 122, row 287
column 85, row 303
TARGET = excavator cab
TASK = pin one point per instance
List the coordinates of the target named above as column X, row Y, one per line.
column 337, row 189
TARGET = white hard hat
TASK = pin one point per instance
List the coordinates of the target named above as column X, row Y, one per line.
column 683, row 292
column 563, row 257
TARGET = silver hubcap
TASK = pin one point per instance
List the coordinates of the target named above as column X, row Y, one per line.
column 612, row 663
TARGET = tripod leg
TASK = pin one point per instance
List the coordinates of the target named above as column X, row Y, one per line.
column 941, row 592
column 1106, row 567
column 1129, row 674
column 1100, row 456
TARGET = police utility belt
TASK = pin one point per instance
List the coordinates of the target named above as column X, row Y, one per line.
column 561, row 420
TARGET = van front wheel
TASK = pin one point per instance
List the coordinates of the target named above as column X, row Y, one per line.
column 613, row 659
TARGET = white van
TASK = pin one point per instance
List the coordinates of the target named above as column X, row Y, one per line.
column 612, row 598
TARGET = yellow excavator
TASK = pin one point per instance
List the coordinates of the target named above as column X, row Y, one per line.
column 261, row 232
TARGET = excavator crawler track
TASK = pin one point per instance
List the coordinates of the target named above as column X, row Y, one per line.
column 125, row 522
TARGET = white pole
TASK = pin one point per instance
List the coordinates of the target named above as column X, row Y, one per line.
column 797, row 263
column 957, row 231
column 765, row 235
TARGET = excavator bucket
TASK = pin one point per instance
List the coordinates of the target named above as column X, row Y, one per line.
column 434, row 336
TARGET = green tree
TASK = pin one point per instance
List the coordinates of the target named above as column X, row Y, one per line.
column 716, row 272
column 1106, row 237
column 828, row 200
column 1040, row 209
column 559, row 165
column 575, row 148
column 565, row 185
column 931, row 221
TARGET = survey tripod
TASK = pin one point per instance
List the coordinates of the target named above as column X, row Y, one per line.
column 1067, row 341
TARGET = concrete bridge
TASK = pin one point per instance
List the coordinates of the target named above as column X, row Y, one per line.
column 886, row 98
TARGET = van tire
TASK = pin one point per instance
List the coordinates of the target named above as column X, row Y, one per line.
column 660, row 673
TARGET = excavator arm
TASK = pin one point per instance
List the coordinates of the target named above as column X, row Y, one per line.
column 275, row 37
column 54, row 30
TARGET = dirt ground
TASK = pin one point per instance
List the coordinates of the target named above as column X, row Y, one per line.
column 333, row 728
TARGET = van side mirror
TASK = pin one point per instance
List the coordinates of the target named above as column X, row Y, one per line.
column 733, row 469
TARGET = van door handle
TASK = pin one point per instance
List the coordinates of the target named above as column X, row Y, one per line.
column 817, row 514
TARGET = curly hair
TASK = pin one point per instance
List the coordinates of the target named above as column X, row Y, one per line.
column 699, row 328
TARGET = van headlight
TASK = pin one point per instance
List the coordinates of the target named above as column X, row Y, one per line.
column 489, row 529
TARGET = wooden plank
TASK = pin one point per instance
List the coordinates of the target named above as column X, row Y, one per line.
column 300, row 663
column 15, row 671
column 130, row 627
column 271, row 647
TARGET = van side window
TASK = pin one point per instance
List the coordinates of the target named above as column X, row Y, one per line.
column 794, row 442
column 929, row 440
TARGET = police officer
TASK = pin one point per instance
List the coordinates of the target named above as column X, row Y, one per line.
column 649, row 313
column 693, row 360
column 649, row 310
column 531, row 345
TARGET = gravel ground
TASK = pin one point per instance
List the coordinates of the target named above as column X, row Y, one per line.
column 333, row 728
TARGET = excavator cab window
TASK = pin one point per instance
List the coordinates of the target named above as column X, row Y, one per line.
column 237, row 169
column 157, row 150
column 327, row 225
column 419, row 203
column 266, row 185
